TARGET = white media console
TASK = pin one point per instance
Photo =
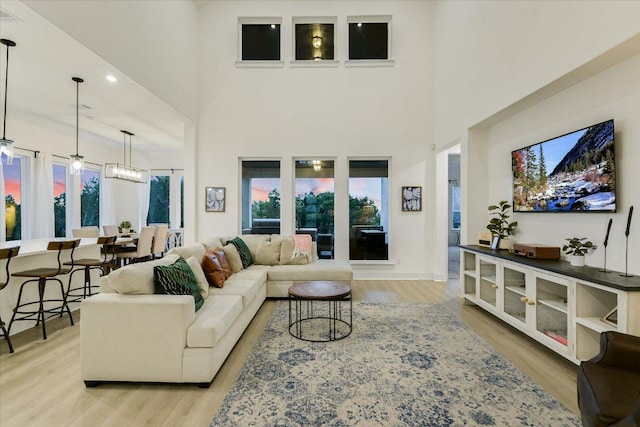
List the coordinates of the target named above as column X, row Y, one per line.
column 559, row 305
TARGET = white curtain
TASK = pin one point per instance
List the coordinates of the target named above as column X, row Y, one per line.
column 43, row 218
column 107, row 205
column 3, row 211
column 143, row 202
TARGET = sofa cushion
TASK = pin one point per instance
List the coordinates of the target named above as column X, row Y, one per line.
column 213, row 242
column 137, row 278
column 268, row 253
column 286, row 251
column 197, row 250
column 177, row 279
column 243, row 251
column 226, row 267
column 254, row 272
column 213, row 269
column 200, row 277
column 213, row 320
column 247, row 289
column 251, row 240
column 320, row 270
column 233, row 257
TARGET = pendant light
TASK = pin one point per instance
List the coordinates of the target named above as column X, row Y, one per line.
column 6, row 145
column 76, row 161
column 124, row 171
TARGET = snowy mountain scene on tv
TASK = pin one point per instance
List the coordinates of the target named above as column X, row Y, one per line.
column 573, row 172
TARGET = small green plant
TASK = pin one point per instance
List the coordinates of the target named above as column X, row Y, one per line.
column 499, row 224
column 578, row 246
column 124, row 224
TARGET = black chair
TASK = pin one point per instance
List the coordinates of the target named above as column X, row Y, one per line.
column 609, row 383
column 87, row 264
column 7, row 254
column 42, row 276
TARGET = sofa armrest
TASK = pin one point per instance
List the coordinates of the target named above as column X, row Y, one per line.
column 619, row 350
column 134, row 337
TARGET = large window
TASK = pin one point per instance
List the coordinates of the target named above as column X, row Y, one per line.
column 12, row 191
column 60, row 199
column 90, row 198
column 159, row 199
column 314, row 38
column 368, row 209
column 260, row 197
column 314, row 190
column 369, row 40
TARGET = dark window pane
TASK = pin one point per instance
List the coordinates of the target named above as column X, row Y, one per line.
column 368, row 40
column 314, row 41
column 260, row 42
column 90, row 199
column 159, row 200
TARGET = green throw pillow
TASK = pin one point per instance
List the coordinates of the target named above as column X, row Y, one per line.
column 243, row 250
column 177, row 279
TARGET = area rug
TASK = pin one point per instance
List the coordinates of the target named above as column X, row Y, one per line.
column 403, row 365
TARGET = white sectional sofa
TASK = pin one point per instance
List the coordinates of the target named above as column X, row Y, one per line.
column 130, row 334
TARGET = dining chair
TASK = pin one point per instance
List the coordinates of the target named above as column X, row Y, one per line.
column 159, row 240
column 110, row 230
column 143, row 247
column 86, row 232
column 36, row 310
column 7, row 254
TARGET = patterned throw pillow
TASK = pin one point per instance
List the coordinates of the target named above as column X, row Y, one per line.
column 177, row 279
column 243, row 250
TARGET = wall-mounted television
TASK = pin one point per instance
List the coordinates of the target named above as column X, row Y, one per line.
column 570, row 173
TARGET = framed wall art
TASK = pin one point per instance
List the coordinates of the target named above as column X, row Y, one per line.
column 215, row 199
column 412, row 199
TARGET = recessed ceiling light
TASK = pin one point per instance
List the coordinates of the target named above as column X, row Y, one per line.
column 273, row 26
column 359, row 24
column 111, row 78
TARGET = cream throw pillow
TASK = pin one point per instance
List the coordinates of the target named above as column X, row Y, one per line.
column 137, row 279
column 286, row 252
column 195, row 266
column 233, row 257
column 268, row 253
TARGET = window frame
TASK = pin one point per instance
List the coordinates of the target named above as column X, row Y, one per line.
column 97, row 170
column 388, row 210
column 371, row 19
column 265, row 20
column 67, row 185
column 245, row 204
column 314, row 20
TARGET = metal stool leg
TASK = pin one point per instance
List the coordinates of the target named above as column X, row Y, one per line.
column 6, row 336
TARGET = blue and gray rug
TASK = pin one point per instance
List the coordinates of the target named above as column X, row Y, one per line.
column 403, row 365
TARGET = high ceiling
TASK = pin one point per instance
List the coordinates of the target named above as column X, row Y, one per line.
column 42, row 92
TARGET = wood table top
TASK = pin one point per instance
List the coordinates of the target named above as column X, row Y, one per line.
column 320, row 290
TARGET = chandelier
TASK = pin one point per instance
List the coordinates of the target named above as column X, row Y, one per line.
column 124, row 171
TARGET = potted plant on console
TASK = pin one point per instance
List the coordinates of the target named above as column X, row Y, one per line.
column 577, row 248
column 125, row 227
column 499, row 224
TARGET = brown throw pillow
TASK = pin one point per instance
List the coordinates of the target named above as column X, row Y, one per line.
column 226, row 268
column 213, row 270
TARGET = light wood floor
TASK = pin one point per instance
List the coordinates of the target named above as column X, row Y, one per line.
column 40, row 383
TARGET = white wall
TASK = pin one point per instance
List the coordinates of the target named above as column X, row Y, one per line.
column 614, row 93
column 320, row 112
column 153, row 42
column 490, row 54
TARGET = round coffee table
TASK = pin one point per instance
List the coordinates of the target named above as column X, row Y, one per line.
column 324, row 323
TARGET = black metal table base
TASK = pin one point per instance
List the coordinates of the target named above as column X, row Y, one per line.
column 327, row 319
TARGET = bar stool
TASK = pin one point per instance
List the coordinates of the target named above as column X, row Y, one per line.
column 7, row 254
column 42, row 276
column 88, row 264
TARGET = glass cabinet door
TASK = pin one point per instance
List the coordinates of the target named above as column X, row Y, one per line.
column 488, row 282
column 515, row 293
column 551, row 308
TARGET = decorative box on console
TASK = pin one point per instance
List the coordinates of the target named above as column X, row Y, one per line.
column 534, row 250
